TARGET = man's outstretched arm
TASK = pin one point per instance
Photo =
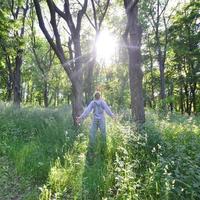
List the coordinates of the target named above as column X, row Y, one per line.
column 85, row 113
column 107, row 109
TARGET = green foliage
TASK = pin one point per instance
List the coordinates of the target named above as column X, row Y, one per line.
column 49, row 72
column 157, row 161
column 34, row 138
column 115, row 87
column 12, row 185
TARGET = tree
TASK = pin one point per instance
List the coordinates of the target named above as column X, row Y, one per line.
column 12, row 45
column 45, row 62
column 154, row 12
column 132, row 37
column 184, row 55
column 74, row 67
column 99, row 11
column 18, row 34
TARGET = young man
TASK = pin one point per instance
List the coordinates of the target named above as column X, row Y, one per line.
column 98, row 106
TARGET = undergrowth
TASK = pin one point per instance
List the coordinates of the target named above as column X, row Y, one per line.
column 161, row 160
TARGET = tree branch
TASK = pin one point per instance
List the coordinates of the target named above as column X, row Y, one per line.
column 94, row 13
column 54, row 26
column 80, row 15
column 25, row 10
column 164, row 8
column 68, row 15
column 129, row 5
column 46, row 33
column 104, row 13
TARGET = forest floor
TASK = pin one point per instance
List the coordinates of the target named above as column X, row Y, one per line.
column 43, row 156
column 12, row 185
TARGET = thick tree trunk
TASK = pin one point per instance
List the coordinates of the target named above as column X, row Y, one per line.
column 17, row 79
column 135, row 77
column 77, row 82
column 135, row 72
column 77, row 100
column 76, row 78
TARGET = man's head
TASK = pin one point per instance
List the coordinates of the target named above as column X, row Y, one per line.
column 97, row 95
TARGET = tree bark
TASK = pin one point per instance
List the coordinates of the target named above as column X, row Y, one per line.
column 193, row 91
column 9, row 78
column 134, row 32
column 171, row 94
column 17, row 79
column 187, row 98
column 181, row 100
column 45, row 93
column 19, row 52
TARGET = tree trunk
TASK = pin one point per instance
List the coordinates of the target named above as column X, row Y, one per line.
column 171, row 93
column 17, row 79
column 73, row 70
column 162, row 77
column 9, row 79
column 28, row 92
column 77, row 99
column 187, row 98
column 46, row 99
column 181, row 100
column 77, row 82
column 152, row 83
column 135, row 72
column 193, row 91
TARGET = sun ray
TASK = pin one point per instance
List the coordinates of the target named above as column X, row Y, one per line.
column 106, row 46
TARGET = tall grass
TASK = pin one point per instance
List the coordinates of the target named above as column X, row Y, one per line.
column 158, row 161
column 33, row 138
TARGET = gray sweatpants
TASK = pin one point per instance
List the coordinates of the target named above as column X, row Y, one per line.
column 97, row 123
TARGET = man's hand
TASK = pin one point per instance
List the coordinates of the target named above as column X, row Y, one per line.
column 114, row 117
column 78, row 120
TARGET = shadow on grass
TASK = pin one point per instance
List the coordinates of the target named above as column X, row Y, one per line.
column 95, row 172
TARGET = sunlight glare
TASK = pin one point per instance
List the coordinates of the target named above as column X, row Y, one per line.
column 106, row 46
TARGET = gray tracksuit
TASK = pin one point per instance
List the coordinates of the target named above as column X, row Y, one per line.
column 98, row 107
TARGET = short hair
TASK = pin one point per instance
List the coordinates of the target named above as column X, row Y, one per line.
column 97, row 95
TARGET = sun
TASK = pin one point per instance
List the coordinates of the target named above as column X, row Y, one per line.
column 106, row 46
